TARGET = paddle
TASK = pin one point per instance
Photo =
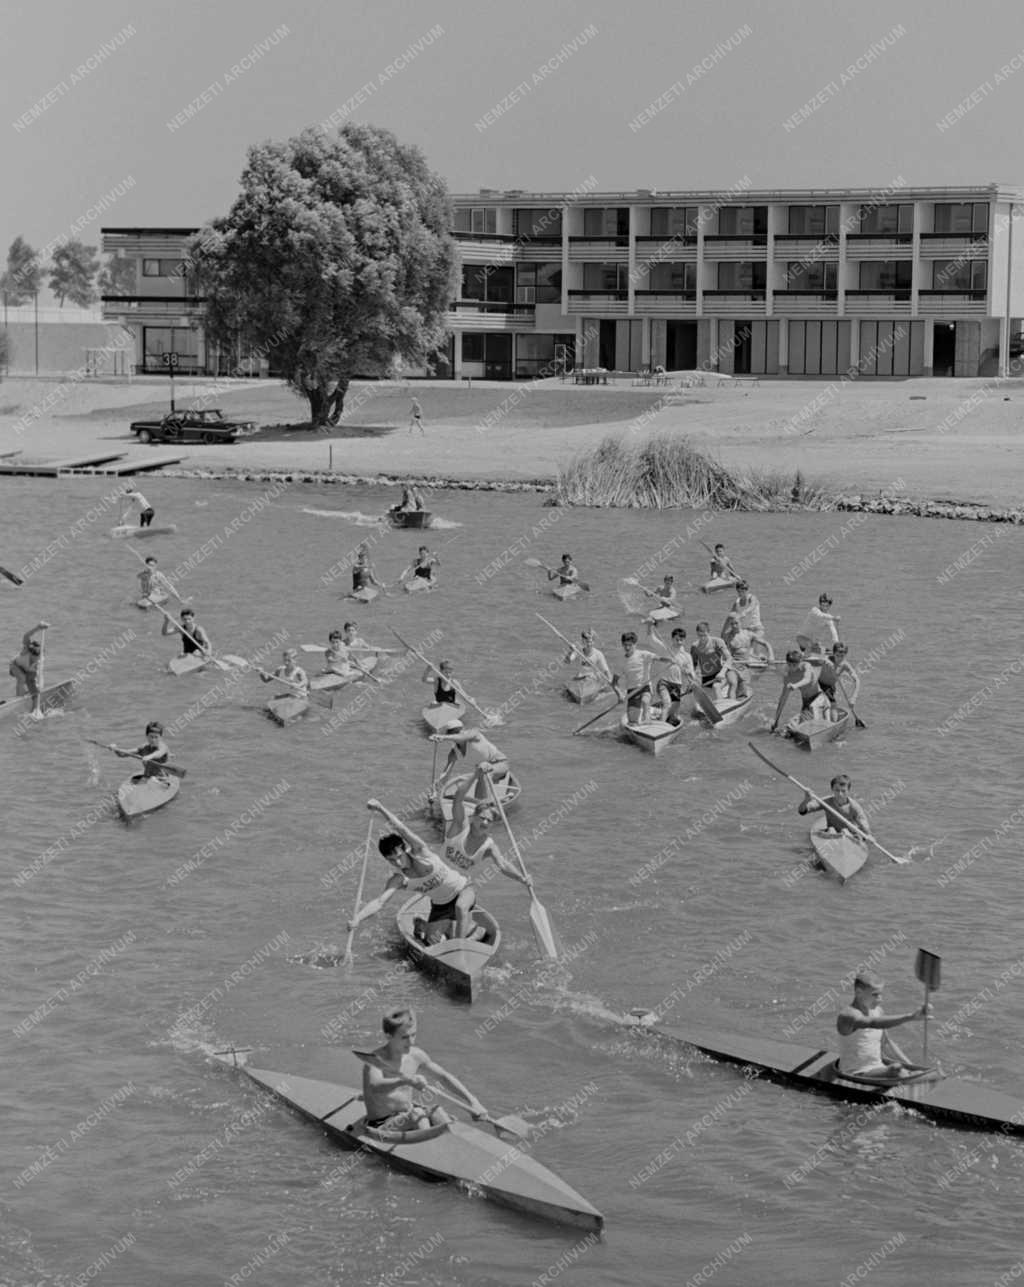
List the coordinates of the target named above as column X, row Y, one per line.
column 348, row 958
column 490, row 717
column 206, row 652
column 37, row 705
column 172, row 769
column 536, row 563
column 167, row 580
column 14, row 580
column 728, row 561
column 817, row 800
column 853, row 710
column 577, row 650
column 607, row 711
column 384, row 652
column 539, row 919
column 710, row 710
column 928, row 968
column 321, row 699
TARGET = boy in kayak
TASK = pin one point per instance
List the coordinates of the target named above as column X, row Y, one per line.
column 636, row 672
column 146, row 512
column 468, row 839
column 290, row 673
column 713, row 661
column 153, row 585
column 593, row 663
column 665, row 593
column 154, row 753
column 363, row 575
column 193, row 637
column 24, row 669
column 423, row 566
column 865, row 1047
column 800, row 677
column 418, row 868
column 342, row 647
column 445, row 692
column 840, row 807
column 566, row 573
column 819, row 624
column 721, row 568
column 393, row 1071
column 470, row 744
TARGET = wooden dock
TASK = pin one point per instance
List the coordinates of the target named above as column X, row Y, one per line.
column 113, row 463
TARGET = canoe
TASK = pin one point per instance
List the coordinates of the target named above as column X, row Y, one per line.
column 508, row 789
column 126, row 530
column 332, row 680
column 137, row 796
column 584, row 688
column 663, row 614
column 842, row 854
column 440, row 714
column 816, row 732
column 414, row 518
column 458, row 962
column 719, row 583
column 286, row 709
column 366, row 595
column 417, row 584
column 460, row 1154
column 651, row 736
column 150, row 600
column 564, row 592
column 719, row 711
column 187, row 662
column 948, row 1100
column 54, row 697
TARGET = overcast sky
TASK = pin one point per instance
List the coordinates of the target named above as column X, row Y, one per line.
column 656, row 93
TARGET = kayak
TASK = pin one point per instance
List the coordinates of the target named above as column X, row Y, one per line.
column 187, row 662
column 151, row 600
column 126, row 530
column 653, row 735
column 719, row 711
column 54, row 697
column 841, row 853
column 137, row 796
column 366, row 595
column 332, row 679
column 508, row 789
column 564, row 592
column 438, row 716
column 286, row 709
column 813, row 733
column 409, row 517
column 458, row 962
column 416, row 584
column 663, row 614
column 460, row 1154
column 948, row 1100
column 719, row 583
column 584, row 688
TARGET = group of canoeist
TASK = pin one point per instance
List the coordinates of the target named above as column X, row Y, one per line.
column 420, row 574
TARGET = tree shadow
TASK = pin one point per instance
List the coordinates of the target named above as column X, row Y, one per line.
column 305, row 431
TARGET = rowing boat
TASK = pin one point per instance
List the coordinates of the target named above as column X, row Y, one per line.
column 719, row 583
column 458, row 962
column 438, row 716
column 719, row 711
column 54, row 697
column 653, row 735
column 151, row 600
column 813, row 733
column 187, row 662
column 948, row 1100
column 287, row 708
column 508, row 789
column 137, row 796
column 409, row 517
column 841, row 853
column 564, row 592
column 332, row 679
column 584, row 688
column 125, row 529
column 459, row 1153
column 366, row 595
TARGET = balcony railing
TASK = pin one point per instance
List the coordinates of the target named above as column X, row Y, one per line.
column 752, row 238
column 821, row 293
column 462, row 235
column 939, row 303
column 893, row 238
column 825, row 238
column 898, row 294
column 490, row 306
column 687, row 296
column 972, row 295
column 620, row 239
column 669, row 239
column 962, row 237
column 739, row 292
column 620, row 295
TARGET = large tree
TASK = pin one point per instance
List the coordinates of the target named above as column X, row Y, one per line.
column 24, row 273
column 336, row 259
column 73, row 273
column 117, row 277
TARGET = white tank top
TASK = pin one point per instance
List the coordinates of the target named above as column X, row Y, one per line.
column 441, row 883
column 861, row 1048
column 455, row 851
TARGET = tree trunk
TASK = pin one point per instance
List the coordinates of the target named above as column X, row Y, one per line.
column 337, row 402
column 318, row 401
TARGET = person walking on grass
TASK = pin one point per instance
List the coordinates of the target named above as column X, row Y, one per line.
column 416, row 416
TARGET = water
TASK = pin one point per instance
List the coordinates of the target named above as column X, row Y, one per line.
column 217, row 922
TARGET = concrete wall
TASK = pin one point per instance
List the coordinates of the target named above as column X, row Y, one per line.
column 61, row 346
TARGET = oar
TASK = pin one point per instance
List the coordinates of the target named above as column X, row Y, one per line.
column 217, row 661
column 14, row 580
column 348, row 958
column 37, row 705
column 165, row 576
column 536, row 563
column 539, row 918
column 314, row 695
column 607, row 711
column 846, row 697
column 577, row 650
column 928, row 968
column 164, row 768
column 727, row 559
column 490, row 717
column 817, row 800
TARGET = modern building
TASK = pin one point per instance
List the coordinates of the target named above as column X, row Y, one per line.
column 804, row 282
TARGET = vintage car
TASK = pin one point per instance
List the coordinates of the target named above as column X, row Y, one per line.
column 207, row 426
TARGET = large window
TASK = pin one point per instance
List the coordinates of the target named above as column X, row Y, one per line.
column 885, row 274
column 813, row 221
column 742, row 277
column 881, row 221
column 673, row 278
column 675, row 221
column 163, row 267
column 958, row 275
column 480, row 219
column 743, row 221
column 483, row 282
column 472, row 347
column 817, row 276
column 961, row 216
column 546, row 222
column 539, row 284
column 612, row 221
column 605, row 277
column 181, row 340
column 543, row 355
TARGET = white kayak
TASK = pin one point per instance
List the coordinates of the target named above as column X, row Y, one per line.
column 438, row 716
column 841, row 853
column 137, row 796
column 366, row 595
column 651, row 735
column 333, row 680
column 719, row 583
column 663, row 614
column 123, row 530
column 151, row 600
column 417, row 584
column 185, row 663
column 286, row 709
column 564, row 592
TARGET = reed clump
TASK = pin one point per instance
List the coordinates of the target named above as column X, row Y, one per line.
column 666, row 472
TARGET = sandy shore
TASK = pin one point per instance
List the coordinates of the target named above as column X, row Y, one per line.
column 959, row 440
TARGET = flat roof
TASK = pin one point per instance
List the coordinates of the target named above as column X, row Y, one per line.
column 905, row 192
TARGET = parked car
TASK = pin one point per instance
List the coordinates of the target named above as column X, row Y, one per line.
column 207, row 426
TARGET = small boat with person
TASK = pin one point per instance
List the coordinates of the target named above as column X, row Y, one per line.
column 127, row 530
column 841, row 853
column 457, row 962
column 139, row 795
column 185, row 664
column 332, row 680
column 51, row 698
column 653, row 735
column 718, row 583
column 287, row 708
column 508, row 790
column 812, row 733
column 439, row 715
column 584, row 688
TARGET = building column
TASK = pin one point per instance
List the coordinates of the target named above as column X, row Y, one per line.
column 929, row 347
column 854, row 344
column 783, row 346
column 457, row 355
column 645, row 342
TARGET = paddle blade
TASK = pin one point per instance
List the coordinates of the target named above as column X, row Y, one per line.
column 707, row 706
column 928, row 969
column 12, row 577
column 632, row 598
column 542, row 930
column 533, row 563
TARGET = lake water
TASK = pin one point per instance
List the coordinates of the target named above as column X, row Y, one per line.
column 131, row 953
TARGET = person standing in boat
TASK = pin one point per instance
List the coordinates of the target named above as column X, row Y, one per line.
column 393, row 1071
column 746, row 608
column 679, row 679
column 865, row 1047
column 146, row 512
column 714, row 663
column 800, row 677
column 470, row 745
column 593, row 663
column 566, row 573
column 154, row 753
column 193, row 637
column 363, row 575
column 445, row 692
column 636, row 672
column 468, row 839
column 833, row 668
column 290, row 673
column 819, row 624
column 24, row 669
column 840, row 808
column 418, row 868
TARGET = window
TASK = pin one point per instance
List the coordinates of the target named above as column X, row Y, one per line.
column 885, row 274
column 743, row 221
column 605, row 277
column 961, row 216
column 959, row 275
column 472, row 347
column 813, row 221
column 543, row 355
column 675, row 221
column 485, row 282
column 673, row 277
column 539, row 284
column 163, row 267
column 610, row 222
column 545, row 222
column 803, row 276
column 479, row 219
column 742, row 277
column 886, row 220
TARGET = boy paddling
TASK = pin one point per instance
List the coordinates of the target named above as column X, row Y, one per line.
column 840, row 808
column 24, row 669
column 865, row 1047
column 133, row 497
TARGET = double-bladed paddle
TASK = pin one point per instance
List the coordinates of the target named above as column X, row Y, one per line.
column 348, row 958
column 12, row 577
column 575, row 648
column 536, row 563
column 314, row 695
column 490, row 717
column 817, row 800
column 928, row 968
column 539, row 919
column 172, row 769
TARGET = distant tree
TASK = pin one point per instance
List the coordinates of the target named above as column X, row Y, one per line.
column 117, row 277
column 336, row 258
column 24, row 273
column 73, row 273
column 5, row 354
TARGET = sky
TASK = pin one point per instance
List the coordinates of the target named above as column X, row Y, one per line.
column 535, row 95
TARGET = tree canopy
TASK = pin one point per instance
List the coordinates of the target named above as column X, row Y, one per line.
column 117, row 277
column 73, row 273
column 335, row 259
column 24, row 273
